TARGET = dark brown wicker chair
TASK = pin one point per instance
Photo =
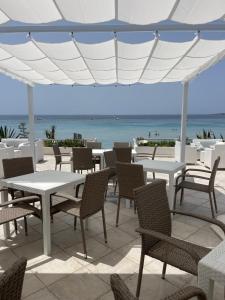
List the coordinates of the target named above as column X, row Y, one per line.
column 121, row 144
column 20, row 209
column 110, row 162
column 147, row 155
column 11, row 281
column 95, row 158
column 130, row 176
column 123, row 154
column 155, row 228
column 58, row 157
column 82, row 159
column 19, row 166
column 205, row 188
column 121, row 291
column 92, row 201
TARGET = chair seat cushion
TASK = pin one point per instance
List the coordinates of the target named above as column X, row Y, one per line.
column 71, row 207
column 20, row 210
column 194, row 186
column 177, row 257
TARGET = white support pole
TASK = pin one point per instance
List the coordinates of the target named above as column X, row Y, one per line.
column 184, row 120
column 31, row 120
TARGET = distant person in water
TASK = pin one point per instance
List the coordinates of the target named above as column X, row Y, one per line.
column 149, row 134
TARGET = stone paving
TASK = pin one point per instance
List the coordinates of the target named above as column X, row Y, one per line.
column 66, row 275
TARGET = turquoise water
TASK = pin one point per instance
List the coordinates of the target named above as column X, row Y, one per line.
column 120, row 128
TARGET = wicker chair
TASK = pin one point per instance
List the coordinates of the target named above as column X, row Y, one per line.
column 205, row 188
column 58, row 157
column 121, row 144
column 92, row 202
column 147, row 155
column 121, row 291
column 20, row 209
column 129, row 176
column 95, row 158
column 155, row 228
column 82, row 159
column 123, row 154
column 13, row 167
column 110, row 162
column 11, row 281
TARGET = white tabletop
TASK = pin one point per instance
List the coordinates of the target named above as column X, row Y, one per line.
column 101, row 151
column 161, row 166
column 44, row 181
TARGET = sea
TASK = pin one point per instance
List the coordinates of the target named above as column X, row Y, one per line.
column 109, row 128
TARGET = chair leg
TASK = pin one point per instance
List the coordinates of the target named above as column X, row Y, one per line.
column 118, row 211
column 25, row 225
column 115, row 187
column 140, row 274
column 15, row 226
column 175, row 200
column 153, row 175
column 164, row 270
column 83, row 237
column 215, row 203
column 181, row 196
column 211, row 204
column 60, row 166
column 104, row 225
column 75, row 223
column 55, row 166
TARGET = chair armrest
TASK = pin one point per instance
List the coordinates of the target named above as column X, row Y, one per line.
column 197, row 170
column 66, row 196
column 172, row 241
column 197, row 176
column 23, row 199
column 187, row 293
column 200, row 217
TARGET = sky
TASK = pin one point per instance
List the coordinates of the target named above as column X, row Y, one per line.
column 206, row 92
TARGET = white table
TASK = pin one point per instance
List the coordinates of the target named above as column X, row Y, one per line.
column 44, row 184
column 212, row 268
column 166, row 167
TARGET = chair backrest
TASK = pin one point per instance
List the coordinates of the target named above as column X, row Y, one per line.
column 153, row 210
column 121, row 144
column 57, row 153
column 13, row 167
column 93, row 196
column 121, row 291
column 213, row 173
column 123, row 154
column 119, row 288
column 82, row 158
column 130, row 176
column 11, row 281
column 154, row 152
column 94, row 145
column 110, row 159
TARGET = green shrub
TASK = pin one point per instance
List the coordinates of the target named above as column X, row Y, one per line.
column 64, row 143
column 159, row 143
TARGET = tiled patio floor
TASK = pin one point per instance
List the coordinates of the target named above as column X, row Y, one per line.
column 67, row 275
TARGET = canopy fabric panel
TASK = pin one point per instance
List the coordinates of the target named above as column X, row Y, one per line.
column 109, row 62
column 96, row 11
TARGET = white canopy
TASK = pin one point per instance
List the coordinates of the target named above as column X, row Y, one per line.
column 96, row 11
column 109, row 62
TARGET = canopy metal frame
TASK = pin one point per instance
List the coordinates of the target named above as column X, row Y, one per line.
column 114, row 28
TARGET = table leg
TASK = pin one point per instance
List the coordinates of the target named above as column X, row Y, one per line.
column 4, row 198
column 171, row 190
column 46, row 224
column 207, row 285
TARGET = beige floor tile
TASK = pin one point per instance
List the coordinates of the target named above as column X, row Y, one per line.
column 116, row 238
column 107, row 296
column 67, row 238
column 130, row 227
column 113, row 263
column 80, row 285
column 182, row 230
column 42, row 294
column 153, row 287
column 95, row 251
column 34, row 252
column 31, row 285
column 7, row 258
column 55, row 267
column 204, row 238
column 56, row 226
